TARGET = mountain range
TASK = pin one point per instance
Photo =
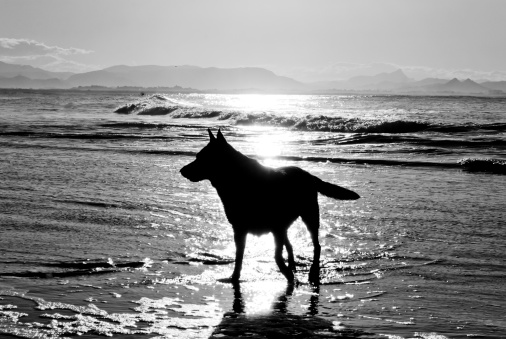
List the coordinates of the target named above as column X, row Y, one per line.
column 237, row 80
column 14, row 70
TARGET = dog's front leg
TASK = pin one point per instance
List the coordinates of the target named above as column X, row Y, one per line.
column 240, row 244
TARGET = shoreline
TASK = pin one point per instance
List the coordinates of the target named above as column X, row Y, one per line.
column 132, row 303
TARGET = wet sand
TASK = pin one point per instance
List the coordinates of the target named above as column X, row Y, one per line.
column 136, row 301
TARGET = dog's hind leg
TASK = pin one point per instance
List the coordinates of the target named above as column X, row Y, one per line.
column 291, row 259
column 311, row 217
column 279, row 239
column 240, row 244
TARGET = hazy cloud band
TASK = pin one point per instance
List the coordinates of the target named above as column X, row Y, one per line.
column 23, row 47
column 39, row 54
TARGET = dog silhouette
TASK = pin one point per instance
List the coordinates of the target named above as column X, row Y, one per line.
column 259, row 199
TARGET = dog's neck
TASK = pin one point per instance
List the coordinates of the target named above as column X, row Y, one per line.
column 238, row 170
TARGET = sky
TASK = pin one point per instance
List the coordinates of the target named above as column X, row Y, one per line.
column 314, row 40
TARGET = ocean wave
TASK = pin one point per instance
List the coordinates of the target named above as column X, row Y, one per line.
column 412, row 140
column 319, row 123
column 74, row 269
column 322, row 123
column 160, row 105
column 90, row 136
column 495, row 166
column 498, row 127
column 156, row 104
column 294, row 158
column 149, row 125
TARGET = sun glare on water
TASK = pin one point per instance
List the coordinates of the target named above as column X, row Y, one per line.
column 259, row 102
column 267, row 146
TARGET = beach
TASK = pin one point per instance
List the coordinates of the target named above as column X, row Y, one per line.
column 102, row 236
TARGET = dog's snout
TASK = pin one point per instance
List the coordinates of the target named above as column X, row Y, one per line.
column 184, row 171
column 191, row 172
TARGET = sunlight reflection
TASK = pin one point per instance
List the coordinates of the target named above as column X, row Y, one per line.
column 260, row 297
column 259, row 102
column 267, row 145
column 259, row 264
column 267, row 142
column 259, row 247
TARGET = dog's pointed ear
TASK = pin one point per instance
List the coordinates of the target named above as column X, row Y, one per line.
column 211, row 136
column 220, row 136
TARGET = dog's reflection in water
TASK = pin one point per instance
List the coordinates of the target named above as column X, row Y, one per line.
column 275, row 321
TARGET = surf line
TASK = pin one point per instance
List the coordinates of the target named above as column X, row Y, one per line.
column 384, row 162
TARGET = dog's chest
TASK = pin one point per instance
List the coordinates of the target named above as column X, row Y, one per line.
column 258, row 208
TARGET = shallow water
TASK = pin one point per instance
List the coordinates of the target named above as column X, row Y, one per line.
column 101, row 235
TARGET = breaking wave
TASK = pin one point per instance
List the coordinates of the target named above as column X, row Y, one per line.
column 332, row 124
column 160, row 105
column 156, row 104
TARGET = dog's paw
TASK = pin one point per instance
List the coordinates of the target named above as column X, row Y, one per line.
column 230, row 280
column 314, row 276
column 294, row 283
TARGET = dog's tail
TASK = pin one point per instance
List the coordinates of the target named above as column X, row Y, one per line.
column 334, row 191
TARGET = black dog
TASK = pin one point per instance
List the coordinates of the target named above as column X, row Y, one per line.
column 259, row 200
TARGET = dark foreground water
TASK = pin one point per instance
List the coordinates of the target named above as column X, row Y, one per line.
column 101, row 235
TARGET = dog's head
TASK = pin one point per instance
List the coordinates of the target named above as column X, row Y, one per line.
column 209, row 159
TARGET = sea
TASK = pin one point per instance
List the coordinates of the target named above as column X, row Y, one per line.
column 101, row 236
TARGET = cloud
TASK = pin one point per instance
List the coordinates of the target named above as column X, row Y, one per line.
column 38, row 54
column 64, row 65
column 23, row 47
column 51, row 63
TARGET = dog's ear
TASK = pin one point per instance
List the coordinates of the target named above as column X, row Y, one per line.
column 220, row 136
column 211, row 136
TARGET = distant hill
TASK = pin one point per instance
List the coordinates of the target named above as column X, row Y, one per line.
column 187, row 76
column 212, row 78
column 13, row 70
column 381, row 81
column 99, row 78
column 240, row 80
column 495, row 85
column 428, row 82
column 467, row 86
column 396, row 77
column 25, row 82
